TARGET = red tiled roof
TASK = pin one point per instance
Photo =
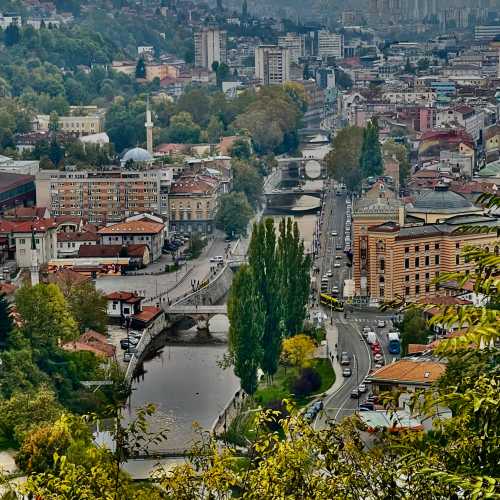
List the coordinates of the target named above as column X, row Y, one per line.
column 37, row 226
column 188, row 185
column 418, row 348
column 77, row 236
column 410, row 371
column 443, row 300
column 129, row 297
column 89, row 251
column 64, row 277
column 26, row 212
column 133, row 227
column 147, row 314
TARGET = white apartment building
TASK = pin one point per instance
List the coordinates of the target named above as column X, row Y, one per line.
column 330, row 44
column 272, row 64
column 209, row 46
column 295, row 45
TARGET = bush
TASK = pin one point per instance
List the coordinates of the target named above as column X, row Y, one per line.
column 308, row 381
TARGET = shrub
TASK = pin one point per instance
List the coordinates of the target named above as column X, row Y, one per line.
column 273, row 423
column 308, row 381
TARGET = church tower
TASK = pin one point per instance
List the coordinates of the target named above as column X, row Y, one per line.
column 149, row 129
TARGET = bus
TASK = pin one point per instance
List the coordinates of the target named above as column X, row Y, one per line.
column 332, row 302
column 394, row 343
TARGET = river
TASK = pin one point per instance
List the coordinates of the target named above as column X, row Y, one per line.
column 187, row 383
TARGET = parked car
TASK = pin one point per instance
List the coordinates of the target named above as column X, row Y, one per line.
column 379, row 364
column 127, row 356
column 338, row 247
column 372, row 398
column 378, row 357
column 347, row 372
column 366, row 407
column 124, row 344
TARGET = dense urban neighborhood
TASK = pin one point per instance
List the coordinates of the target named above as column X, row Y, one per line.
column 249, row 250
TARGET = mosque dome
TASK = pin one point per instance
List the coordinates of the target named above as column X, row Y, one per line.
column 137, row 155
column 442, row 199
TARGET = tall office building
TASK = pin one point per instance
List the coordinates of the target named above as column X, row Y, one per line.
column 329, row 44
column 294, row 43
column 209, row 46
column 272, row 64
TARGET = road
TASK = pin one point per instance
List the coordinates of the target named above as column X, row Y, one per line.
column 349, row 326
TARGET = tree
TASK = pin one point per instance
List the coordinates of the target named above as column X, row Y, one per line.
column 297, row 350
column 240, row 149
column 263, row 260
column 88, row 307
column 343, row 159
column 246, row 319
column 233, row 214
column 53, row 122
column 423, row 64
column 196, row 103
column 413, row 330
column 370, row 161
column 56, row 152
column 247, row 180
column 25, row 411
column 183, row 130
column 140, row 69
column 215, row 129
column 46, row 316
column 295, row 280
column 11, row 35
column 6, row 325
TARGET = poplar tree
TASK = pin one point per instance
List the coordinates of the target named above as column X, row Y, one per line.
column 262, row 257
column 370, row 161
column 246, row 316
column 294, row 273
column 6, row 325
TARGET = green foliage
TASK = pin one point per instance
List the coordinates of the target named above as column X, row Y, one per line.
column 401, row 153
column 6, row 325
column 183, row 129
column 234, row 213
column 247, row 180
column 140, row 68
column 196, row 245
column 240, row 149
column 294, row 269
column 413, row 329
column 246, row 317
column 23, row 412
column 88, row 307
column 370, row 161
column 11, row 35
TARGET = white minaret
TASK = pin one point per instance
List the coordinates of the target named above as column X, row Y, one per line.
column 35, row 270
column 149, row 129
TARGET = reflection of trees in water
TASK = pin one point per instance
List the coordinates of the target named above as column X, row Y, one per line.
column 313, row 169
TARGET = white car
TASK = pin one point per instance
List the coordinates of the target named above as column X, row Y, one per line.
column 329, row 273
column 337, row 264
column 334, row 233
column 380, row 323
column 362, row 388
column 378, row 357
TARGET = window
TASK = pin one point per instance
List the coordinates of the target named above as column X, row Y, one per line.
column 381, row 292
column 407, row 263
column 407, row 290
column 381, row 279
column 114, row 305
column 407, row 279
column 427, row 260
column 417, row 289
column 436, row 246
column 427, row 288
column 436, row 260
column 417, row 248
column 417, row 277
column 382, row 264
column 417, row 262
column 426, row 248
column 427, row 276
column 407, row 249
column 457, row 245
column 457, row 259
column 21, row 241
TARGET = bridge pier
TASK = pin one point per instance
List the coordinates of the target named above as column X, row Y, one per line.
column 203, row 324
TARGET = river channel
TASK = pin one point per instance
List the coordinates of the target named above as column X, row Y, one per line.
column 186, row 382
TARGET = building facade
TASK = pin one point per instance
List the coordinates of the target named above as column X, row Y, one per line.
column 272, row 64
column 209, row 47
column 193, row 203
column 106, row 196
column 329, row 44
column 15, row 190
column 81, row 121
column 294, row 43
column 44, row 233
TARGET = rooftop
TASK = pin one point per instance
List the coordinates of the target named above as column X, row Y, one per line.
column 10, row 181
column 441, row 199
column 133, row 227
column 410, row 371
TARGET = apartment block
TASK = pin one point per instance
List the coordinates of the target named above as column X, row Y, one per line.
column 104, row 197
column 209, row 47
column 272, row 64
column 295, row 45
column 329, row 44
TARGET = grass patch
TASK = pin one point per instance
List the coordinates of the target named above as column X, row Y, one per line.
column 7, row 444
column 324, row 368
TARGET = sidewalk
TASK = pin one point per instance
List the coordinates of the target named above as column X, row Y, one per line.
column 332, row 336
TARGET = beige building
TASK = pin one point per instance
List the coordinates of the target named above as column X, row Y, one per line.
column 82, row 120
column 193, row 203
column 272, row 64
column 209, row 47
column 44, row 234
column 399, row 257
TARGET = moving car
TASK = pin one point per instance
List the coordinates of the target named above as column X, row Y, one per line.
column 329, row 273
column 378, row 357
column 344, row 359
column 355, row 394
column 366, row 330
column 334, row 233
column 347, row 372
column 380, row 323
column 337, row 264
column 217, row 258
column 362, row 388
